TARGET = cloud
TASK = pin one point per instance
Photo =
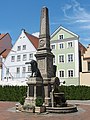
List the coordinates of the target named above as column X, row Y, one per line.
column 74, row 13
column 85, row 27
column 36, row 34
column 85, row 39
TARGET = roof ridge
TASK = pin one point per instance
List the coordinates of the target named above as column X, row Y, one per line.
column 4, row 34
column 34, row 40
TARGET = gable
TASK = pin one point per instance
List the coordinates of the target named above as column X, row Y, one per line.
column 62, row 31
column 23, row 40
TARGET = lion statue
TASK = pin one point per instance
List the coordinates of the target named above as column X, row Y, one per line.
column 34, row 69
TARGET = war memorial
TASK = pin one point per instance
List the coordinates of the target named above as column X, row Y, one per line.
column 43, row 81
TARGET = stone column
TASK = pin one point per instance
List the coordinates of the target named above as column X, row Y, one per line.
column 47, row 95
column 34, row 94
column 28, row 91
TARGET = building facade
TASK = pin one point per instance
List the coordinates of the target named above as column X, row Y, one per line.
column 65, row 47
column 17, row 67
column 5, row 47
column 85, row 73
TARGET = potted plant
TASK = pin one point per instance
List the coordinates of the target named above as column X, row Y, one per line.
column 39, row 108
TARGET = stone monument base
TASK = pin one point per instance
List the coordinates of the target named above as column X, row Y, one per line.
column 29, row 101
column 35, row 89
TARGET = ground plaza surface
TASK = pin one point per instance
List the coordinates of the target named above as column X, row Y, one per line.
column 7, row 112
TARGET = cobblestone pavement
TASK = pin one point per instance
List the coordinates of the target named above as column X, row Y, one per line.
column 7, row 112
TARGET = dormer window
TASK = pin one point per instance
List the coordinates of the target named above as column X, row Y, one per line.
column 61, row 37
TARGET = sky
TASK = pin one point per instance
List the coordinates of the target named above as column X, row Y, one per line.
column 74, row 15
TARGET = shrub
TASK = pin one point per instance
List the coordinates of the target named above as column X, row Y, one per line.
column 39, row 101
column 76, row 92
column 12, row 93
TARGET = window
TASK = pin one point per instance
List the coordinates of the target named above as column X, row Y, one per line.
column 70, row 73
column 23, row 69
column 61, row 73
column 61, row 45
column 52, row 46
column 24, row 47
column 18, row 58
column 70, row 44
column 61, row 37
column 24, row 57
column 61, row 58
column 29, row 68
column 12, row 58
column 70, row 58
column 18, row 70
column 88, row 66
column 31, row 56
column 18, row 48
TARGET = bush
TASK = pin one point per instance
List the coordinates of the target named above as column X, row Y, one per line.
column 39, row 101
column 17, row 93
column 76, row 92
column 12, row 93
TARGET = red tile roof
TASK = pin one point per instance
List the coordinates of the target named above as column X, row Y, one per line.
column 5, row 47
column 5, row 53
column 33, row 39
column 2, row 35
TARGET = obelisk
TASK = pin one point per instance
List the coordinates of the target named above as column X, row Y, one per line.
column 44, row 55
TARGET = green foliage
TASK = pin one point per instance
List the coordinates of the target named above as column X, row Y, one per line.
column 39, row 101
column 12, row 93
column 18, row 93
column 76, row 92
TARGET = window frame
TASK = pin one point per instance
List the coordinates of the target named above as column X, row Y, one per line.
column 24, row 57
column 62, row 61
column 54, row 46
column 62, row 36
column 31, row 54
column 62, row 75
column 19, row 48
column 23, row 69
column 69, row 46
column 18, row 68
column 70, row 58
column 70, row 74
column 61, row 45
column 12, row 60
column 18, row 59
column 23, row 47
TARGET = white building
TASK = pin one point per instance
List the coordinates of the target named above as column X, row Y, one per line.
column 15, row 70
column 5, row 47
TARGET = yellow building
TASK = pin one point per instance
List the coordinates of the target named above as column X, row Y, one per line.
column 85, row 74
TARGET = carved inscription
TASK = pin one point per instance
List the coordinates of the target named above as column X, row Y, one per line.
column 41, row 64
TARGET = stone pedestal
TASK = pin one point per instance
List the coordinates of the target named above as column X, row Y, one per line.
column 45, row 63
column 35, row 89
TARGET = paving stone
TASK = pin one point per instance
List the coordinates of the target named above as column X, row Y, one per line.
column 7, row 112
